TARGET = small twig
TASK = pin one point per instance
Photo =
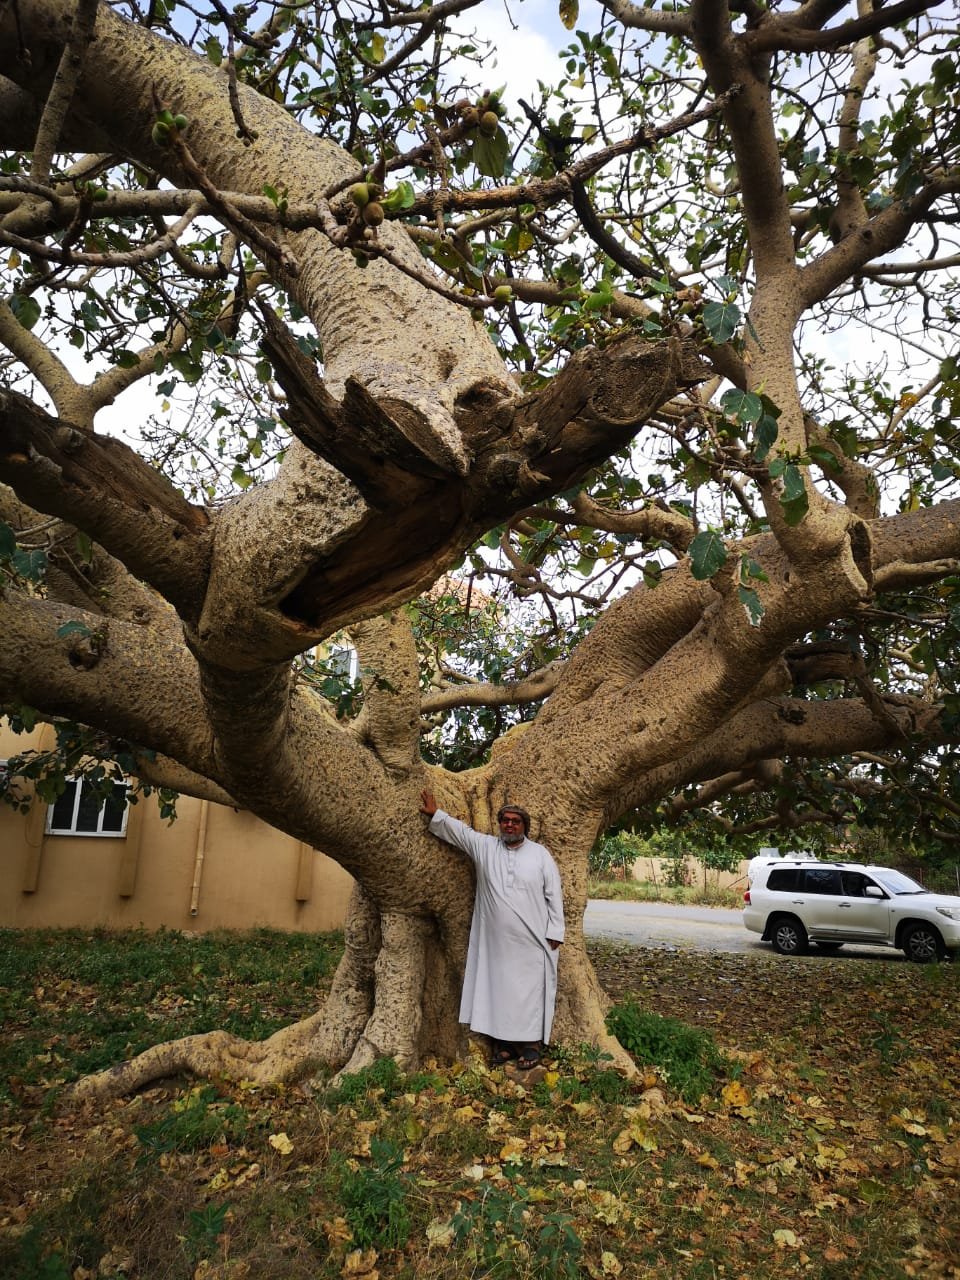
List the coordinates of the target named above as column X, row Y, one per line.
column 245, row 134
column 230, row 214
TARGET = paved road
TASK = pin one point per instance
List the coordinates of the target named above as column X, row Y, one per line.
column 667, row 924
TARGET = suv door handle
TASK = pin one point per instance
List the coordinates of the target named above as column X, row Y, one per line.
column 845, row 905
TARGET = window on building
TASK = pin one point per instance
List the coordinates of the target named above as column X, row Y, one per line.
column 81, row 812
column 343, row 662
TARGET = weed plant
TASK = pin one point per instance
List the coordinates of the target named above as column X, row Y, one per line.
column 375, row 1198
column 502, row 1238
column 193, row 1123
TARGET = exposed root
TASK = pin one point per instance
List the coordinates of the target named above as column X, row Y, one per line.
column 213, row 1054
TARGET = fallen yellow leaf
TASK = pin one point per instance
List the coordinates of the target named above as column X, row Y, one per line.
column 735, row 1095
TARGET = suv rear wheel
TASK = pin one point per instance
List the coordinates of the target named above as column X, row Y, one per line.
column 788, row 936
column 922, row 944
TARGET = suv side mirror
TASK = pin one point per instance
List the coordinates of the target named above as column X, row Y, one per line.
column 873, row 891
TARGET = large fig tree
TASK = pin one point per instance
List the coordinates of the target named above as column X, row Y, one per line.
column 306, row 317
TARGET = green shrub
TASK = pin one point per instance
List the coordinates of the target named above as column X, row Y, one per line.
column 688, row 1056
column 374, row 1198
column 595, row 1084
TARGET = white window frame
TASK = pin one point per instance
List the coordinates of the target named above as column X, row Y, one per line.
column 99, row 834
column 345, row 655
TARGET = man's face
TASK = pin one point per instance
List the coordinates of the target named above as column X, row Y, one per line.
column 511, row 828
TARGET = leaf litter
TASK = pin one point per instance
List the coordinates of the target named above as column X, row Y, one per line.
column 829, row 1147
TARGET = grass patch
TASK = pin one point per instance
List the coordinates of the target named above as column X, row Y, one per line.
column 687, row 1056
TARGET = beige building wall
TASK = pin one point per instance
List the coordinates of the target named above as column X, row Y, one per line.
column 213, row 868
column 656, row 871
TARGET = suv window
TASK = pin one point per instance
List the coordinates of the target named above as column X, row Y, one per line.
column 786, row 879
column 854, row 884
column 822, row 880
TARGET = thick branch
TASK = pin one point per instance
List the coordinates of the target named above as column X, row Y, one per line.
column 776, row 728
column 513, row 693
column 390, row 721
column 100, row 485
column 882, row 233
column 122, row 678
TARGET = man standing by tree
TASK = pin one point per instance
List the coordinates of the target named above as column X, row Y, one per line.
column 510, row 981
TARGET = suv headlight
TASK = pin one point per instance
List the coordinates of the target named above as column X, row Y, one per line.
column 952, row 913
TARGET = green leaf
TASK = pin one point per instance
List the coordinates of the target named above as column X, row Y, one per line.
column 745, row 406
column 750, row 569
column 73, row 629
column 378, row 47
column 794, row 512
column 793, row 486
column 401, row 197
column 51, row 787
column 752, row 603
column 720, row 320
column 794, row 508
column 26, row 309
column 8, row 542
column 707, row 554
column 30, row 565
column 766, row 435
column 826, row 458
column 518, row 240
column 846, row 437
column 490, row 154
column 214, row 50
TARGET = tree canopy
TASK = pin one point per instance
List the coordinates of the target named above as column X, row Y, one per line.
column 658, row 361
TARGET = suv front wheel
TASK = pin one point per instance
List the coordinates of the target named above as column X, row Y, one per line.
column 922, row 944
column 788, row 936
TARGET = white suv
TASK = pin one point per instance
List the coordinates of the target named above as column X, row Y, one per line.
column 793, row 901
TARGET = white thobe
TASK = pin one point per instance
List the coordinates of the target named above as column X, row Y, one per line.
column 510, row 980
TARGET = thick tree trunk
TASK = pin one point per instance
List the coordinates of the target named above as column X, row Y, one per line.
column 396, row 994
